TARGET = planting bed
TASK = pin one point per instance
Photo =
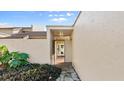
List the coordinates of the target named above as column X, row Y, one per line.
column 30, row 72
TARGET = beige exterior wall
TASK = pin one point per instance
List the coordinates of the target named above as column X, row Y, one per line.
column 98, row 46
column 6, row 30
column 50, row 49
column 37, row 48
column 68, row 51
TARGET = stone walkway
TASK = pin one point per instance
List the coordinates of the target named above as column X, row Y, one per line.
column 68, row 72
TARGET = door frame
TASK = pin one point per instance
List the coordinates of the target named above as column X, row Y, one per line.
column 55, row 48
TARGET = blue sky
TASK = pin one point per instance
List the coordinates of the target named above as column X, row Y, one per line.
column 27, row 18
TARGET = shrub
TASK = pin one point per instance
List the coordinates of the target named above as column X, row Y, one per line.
column 17, row 68
column 3, row 50
column 31, row 72
column 18, row 59
column 13, row 59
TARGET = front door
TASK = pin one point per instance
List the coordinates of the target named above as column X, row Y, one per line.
column 59, row 52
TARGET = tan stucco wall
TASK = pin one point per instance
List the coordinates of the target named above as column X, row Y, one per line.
column 50, row 38
column 98, row 46
column 68, row 51
column 37, row 48
column 6, row 30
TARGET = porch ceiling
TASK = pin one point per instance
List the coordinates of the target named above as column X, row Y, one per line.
column 64, row 32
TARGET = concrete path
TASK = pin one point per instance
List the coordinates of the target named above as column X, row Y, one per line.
column 68, row 72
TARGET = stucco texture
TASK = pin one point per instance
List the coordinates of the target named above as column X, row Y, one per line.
column 98, row 46
column 38, row 49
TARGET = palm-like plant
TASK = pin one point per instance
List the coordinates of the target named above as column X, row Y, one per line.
column 18, row 59
column 13, row 59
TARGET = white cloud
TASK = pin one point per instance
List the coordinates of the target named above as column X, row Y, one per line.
column 69, row 14
column 3, row 23
column 58, row 19
column 61, row 15
column 50, row 15
column 55, row 15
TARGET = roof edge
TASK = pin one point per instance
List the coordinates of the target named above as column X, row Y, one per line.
column 77, row 18
column 58, row 25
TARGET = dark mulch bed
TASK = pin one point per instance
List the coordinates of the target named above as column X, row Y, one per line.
column 31, row 72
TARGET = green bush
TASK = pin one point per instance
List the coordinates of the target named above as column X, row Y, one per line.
column 31, row 72
column 18, row 59
column 3, row 50
column 13, row 59
column 17, row 68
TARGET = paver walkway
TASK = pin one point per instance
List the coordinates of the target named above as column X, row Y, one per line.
column 68, row 73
